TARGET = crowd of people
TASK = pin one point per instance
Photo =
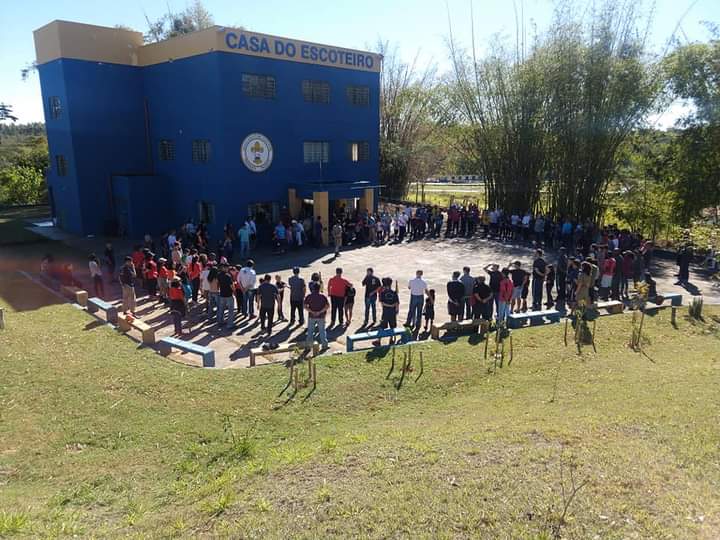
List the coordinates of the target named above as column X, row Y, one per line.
column 182, row 272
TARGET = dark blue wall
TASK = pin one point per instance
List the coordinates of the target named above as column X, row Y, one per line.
column 200, row 98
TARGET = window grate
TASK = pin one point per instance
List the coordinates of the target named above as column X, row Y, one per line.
column 60, row 165
column 55, row 107
column 316, row 151
column 200, row 151
column 358, row 95
column 359, row 151
column 316, row 91
column 258, row 86
column 167, row 150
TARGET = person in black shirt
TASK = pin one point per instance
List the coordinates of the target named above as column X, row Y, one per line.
column 225, row 297
column 520, row 280
column 372, row 285
column 539, row 270
column 549, row 283
column 561, row 273
column 456, row 293
column 267, row 293
column 495, row 276
column 390, row 303
column 482, row 297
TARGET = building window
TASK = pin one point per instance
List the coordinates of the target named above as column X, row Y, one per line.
column 201, row 151
column 206, row 212
column 359, row 151
column 316, row 91
column 167, row 150
column 358, row 95
column 60, row 165
column 55, row 107
column 258, row 86
column 316, row 151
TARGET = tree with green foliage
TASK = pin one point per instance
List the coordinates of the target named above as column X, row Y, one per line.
column 176, row 23
column 693, row 74
column 22, row 173
column 554, row 114
column 408, row 103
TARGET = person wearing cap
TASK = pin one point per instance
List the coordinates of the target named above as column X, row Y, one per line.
column 298, row 291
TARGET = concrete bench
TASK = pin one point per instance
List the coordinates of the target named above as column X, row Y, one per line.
column 95, row 304
column 73, row 293
column 456, row 326
column 535, row 318
column 613, row 307
column 147, row 331
column 284, row 348
column 166, row 344
column 376, row 334
column 675, row 298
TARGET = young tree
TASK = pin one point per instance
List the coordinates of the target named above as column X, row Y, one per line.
column 193, row 18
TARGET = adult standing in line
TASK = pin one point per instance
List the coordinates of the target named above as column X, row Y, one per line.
column 127, row 282
column 243, row 235
column 317, row 305
column 390, row 303
column 247, row 279
column 267, row 295
column 539, row 271
column 372, row 286
column 226, row 300
column 561, row 276
column 193, row 272
column 483, row 296
column 617, row 275
column 298, row 292
column 683, row 262
column 505, row 296
column 418, row 290
column 584, row 282
column 96, row 275
column 337, row 288
column 493, row 271
column 337, row 233
column 456, row 293
column 468, row 282
column 519, row 279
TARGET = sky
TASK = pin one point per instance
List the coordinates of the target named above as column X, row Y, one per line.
column 419, row 28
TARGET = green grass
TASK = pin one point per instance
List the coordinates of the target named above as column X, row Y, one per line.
column 13, row 223
column 100, row 438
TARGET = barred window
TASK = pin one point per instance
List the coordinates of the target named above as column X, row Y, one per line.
column 316, row 151
column 55, row 107
column 60, row 165
column 167, row 150
column 359, row 151
column 316, row 91
column 201, row 151
column 358, row 95
column 259, row 86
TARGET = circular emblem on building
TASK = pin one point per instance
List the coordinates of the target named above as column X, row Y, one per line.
column 257, row 152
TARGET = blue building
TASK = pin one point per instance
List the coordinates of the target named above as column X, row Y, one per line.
column 213, row 125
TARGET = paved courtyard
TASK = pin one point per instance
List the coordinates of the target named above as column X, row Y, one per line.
column 437, row 258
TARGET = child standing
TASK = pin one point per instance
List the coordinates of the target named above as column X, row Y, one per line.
column 96, row 275
column 349, row 303
column 280, row 285
column 429, row 309
column 162, row 280
column 177, row 304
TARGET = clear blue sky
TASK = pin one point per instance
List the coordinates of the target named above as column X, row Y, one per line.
column 414, row 25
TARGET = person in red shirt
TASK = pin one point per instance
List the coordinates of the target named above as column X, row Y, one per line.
column 608, row 270
column 177, row 304
column 193, row 273
column 337, row 289
column 150, row 274
column 163, row 283
column 504, row 295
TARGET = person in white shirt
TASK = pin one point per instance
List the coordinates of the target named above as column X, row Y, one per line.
column 418, row 289
column 96, row 275
column 246, row 279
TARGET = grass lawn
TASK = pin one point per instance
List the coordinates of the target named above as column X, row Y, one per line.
column 13, row 222
column 100, row 438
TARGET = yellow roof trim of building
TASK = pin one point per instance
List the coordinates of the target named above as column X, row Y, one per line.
column 64, row 39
